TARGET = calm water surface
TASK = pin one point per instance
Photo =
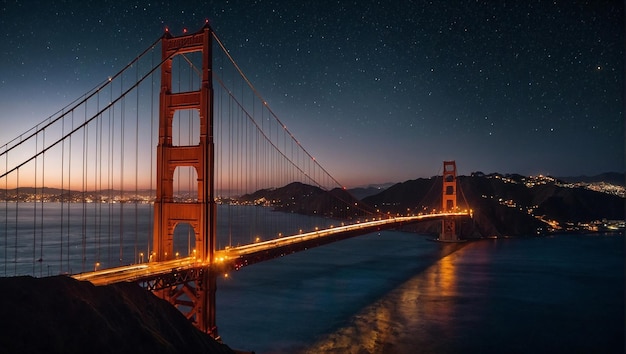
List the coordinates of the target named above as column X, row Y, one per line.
column 399, row 293
column 392, row 292
column 44, row 239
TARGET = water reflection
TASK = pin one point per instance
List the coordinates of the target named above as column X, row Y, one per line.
column 494, row 296
column 423, row 307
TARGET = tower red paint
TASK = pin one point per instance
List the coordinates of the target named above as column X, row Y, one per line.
column 201, row 215
column 448, row 201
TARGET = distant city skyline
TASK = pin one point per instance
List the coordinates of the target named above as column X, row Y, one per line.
column 378, row 93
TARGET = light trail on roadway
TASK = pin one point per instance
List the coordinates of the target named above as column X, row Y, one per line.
column 136, row 272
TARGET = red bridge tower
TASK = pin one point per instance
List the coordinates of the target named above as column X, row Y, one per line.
column 201, row 215
column 448, row 201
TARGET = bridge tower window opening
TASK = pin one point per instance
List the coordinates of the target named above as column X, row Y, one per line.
column 187, row 72
column 185, row 184
column 186, row 127
column 184, row 240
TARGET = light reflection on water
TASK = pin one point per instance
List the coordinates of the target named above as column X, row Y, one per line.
column 281, row 306
column 377, row 328
column 560, row 294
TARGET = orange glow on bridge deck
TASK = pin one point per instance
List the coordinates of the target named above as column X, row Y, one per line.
column 224, row 259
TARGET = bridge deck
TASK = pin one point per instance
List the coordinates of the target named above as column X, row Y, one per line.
column 235, row 257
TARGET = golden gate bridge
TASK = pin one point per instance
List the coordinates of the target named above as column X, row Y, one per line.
column 105, row 189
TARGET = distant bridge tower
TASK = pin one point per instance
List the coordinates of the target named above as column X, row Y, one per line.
column 201, row 215
column 448, row 201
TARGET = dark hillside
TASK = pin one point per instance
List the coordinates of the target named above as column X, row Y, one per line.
column 63, row 315
column 414, row 195
column 504, row 206
column 305, row 199
column 608, row 177
column 576, row 204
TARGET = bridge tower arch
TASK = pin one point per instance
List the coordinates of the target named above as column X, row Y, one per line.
column 201, row 214
column 448, row 201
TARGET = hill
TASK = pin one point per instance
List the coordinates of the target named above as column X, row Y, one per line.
column 502, row 204
column 513, row 205
column 305, row 199
column 62, row 315
column 362, row 192
column 608, row 177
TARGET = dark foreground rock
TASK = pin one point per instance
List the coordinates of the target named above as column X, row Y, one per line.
column 63, row 315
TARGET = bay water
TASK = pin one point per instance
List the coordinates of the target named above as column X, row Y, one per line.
column 387, row 292
column 401, row 293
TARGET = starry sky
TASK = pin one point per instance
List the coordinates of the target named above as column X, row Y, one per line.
column 377, row 91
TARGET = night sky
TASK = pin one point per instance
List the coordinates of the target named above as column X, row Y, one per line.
column 377, row 91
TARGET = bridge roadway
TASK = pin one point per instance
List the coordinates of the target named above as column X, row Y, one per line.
column 236, row 257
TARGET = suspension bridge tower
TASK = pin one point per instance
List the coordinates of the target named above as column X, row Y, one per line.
column 448, row 201
column 201, row 215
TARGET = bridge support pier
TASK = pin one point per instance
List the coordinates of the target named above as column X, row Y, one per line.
column 205, row 319
column 192, row 292
column 448, row 230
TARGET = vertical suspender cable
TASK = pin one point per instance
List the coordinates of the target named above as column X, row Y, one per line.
column 35, row 203
column 69, row 193
column 69, row 184
column 110, row 179
column 239, row 145
column 84, row 196
column 6, row 212
column 135, row 243
column 230, row 168
column 122, row 141
column 43, row 184
column 17, row 202
column 151, row 147
column 98, row 182
column 248, row 159
column 62, row 199
column 96, row 187
column 256, row 163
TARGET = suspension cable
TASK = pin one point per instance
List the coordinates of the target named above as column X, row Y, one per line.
column 258, row 95
column 76, row 103
column 84, row 124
